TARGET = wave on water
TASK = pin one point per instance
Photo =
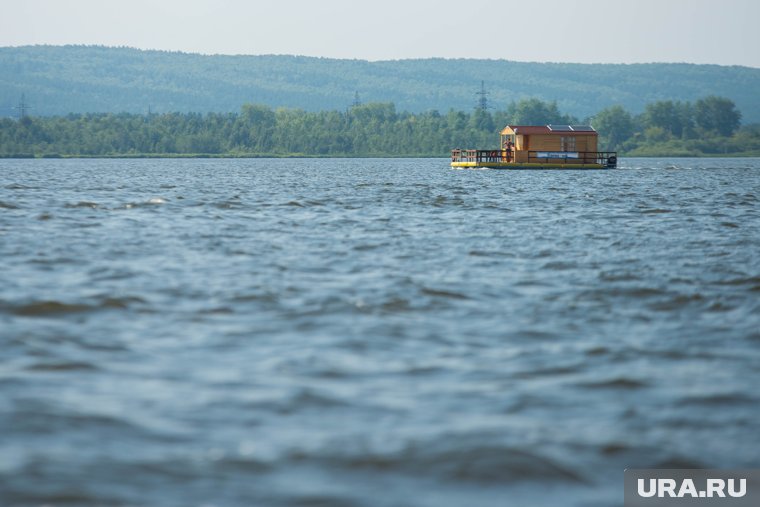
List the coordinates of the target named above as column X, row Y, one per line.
column 55, row 308
column 84, row 204
column 447, row 458
column 8, row 205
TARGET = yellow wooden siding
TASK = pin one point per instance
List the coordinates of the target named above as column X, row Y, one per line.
column 551, row 142
column 540, row 142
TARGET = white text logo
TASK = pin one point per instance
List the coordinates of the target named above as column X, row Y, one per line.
column 714, row 488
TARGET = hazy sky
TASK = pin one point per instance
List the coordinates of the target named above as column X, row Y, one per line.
column 697, row 31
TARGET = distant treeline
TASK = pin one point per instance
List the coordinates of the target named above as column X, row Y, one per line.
column 57, row 80
column 710, row 126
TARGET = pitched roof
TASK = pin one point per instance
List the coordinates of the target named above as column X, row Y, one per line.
column 565, row 130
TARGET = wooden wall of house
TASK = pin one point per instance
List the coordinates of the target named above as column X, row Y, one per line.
column 539, row 142
column 553, row 142
column 589, row 143
column 550, row 142
column 521, row 148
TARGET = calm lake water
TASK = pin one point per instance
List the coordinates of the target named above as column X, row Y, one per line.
column 381, row 333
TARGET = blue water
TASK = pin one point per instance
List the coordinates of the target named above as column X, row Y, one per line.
column 181, row 333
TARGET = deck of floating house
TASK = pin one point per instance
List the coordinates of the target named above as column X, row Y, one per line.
column 540, row 147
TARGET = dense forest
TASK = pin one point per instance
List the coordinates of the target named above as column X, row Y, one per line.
column 58, row 80
column 709, row 126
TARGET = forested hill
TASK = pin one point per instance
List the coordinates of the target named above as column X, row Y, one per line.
column 57, row 80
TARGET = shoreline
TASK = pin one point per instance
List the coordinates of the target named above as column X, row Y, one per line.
column 30, row 156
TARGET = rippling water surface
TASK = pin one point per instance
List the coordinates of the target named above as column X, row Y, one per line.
column 372, row 332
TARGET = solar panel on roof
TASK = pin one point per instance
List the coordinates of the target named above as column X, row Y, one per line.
column 560, row 128
column 582, row 128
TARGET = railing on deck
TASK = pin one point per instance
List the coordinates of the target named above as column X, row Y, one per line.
column 605, row 158
column 481, row 156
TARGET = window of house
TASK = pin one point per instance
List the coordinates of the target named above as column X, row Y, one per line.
column 567, row 143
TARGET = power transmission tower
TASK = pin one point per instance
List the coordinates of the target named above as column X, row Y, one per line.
column 482, row 97
column 357, row 102
column 22, row 107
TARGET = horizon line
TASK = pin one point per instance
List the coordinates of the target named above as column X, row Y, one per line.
column 293, row 55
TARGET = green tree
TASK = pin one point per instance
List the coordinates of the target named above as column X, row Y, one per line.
column 615, row 126
column 260, row 121
column 482, row 120
column 536, row 112
column 675, row 118
column 376, row 111
column 717, row 114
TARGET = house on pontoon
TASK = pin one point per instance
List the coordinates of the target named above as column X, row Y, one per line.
column 534, row 146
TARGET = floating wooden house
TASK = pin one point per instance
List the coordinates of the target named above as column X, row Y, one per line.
column 540, row 147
